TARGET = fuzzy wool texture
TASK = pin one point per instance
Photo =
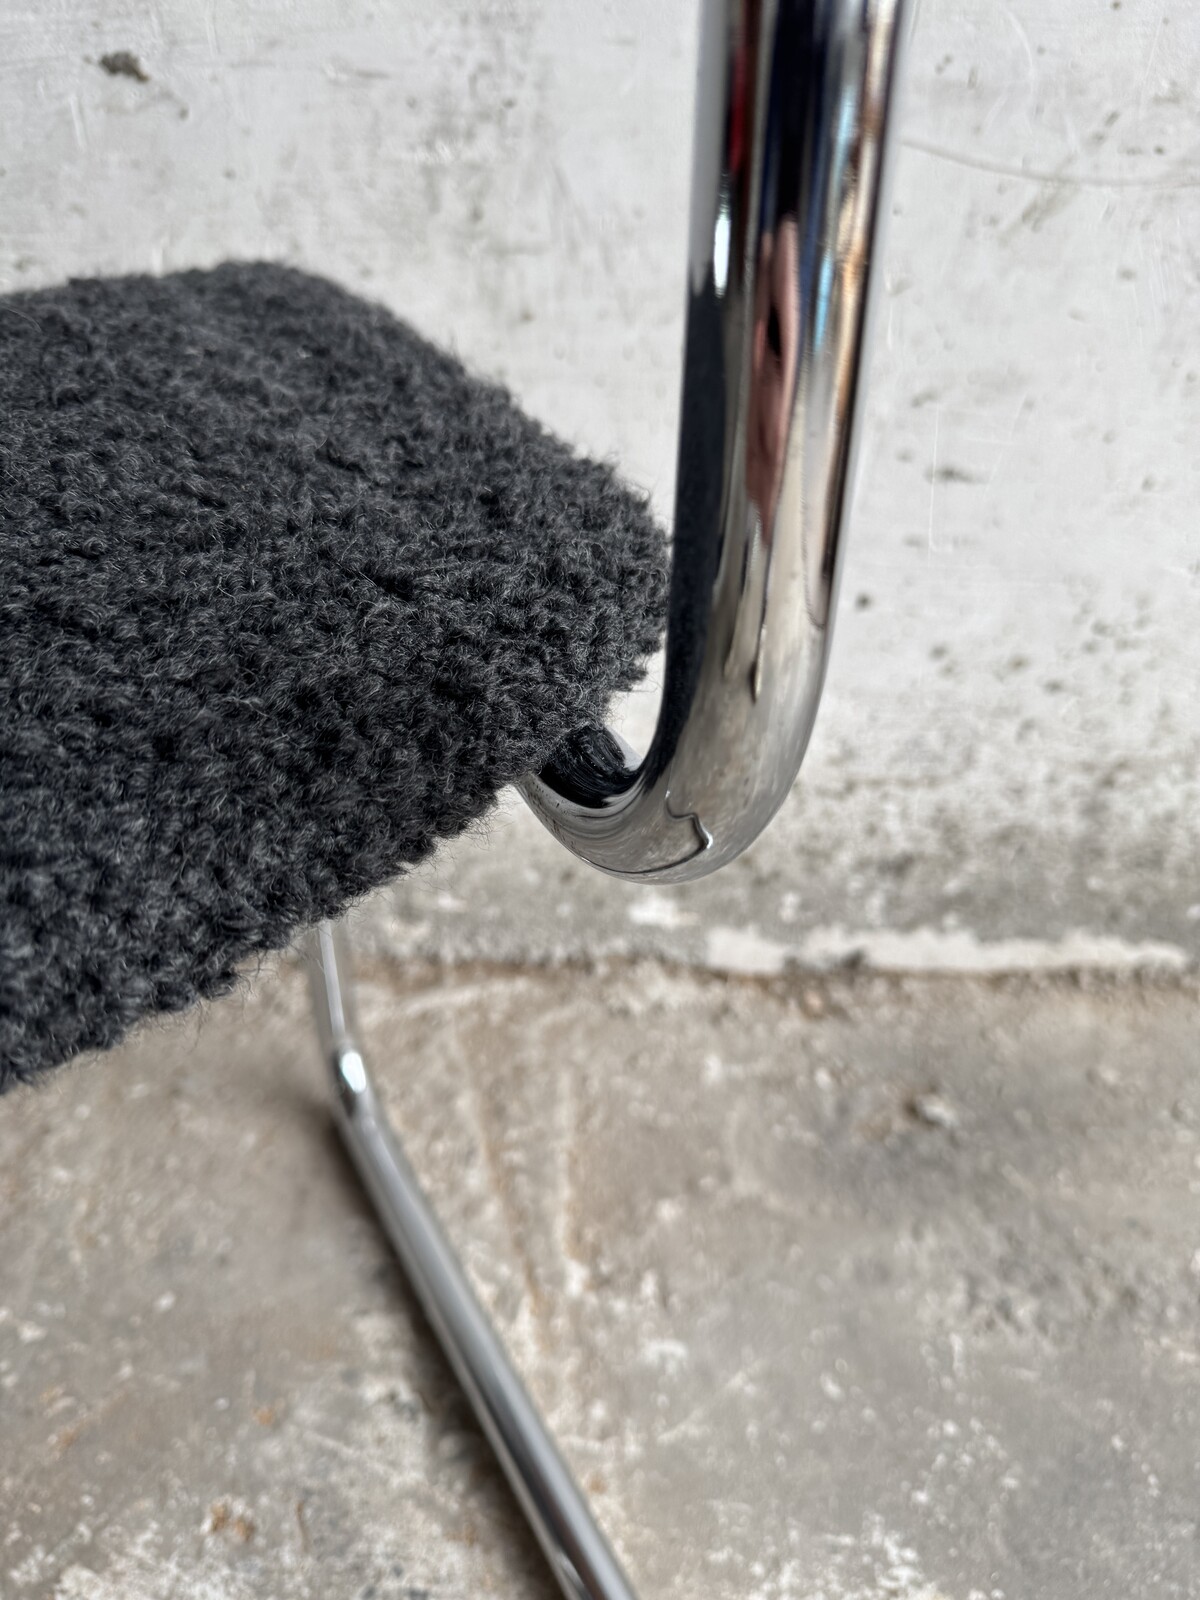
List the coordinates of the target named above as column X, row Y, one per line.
column 286, row 596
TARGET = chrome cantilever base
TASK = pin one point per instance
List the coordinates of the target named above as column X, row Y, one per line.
column 792, row 119
column 554, row 1506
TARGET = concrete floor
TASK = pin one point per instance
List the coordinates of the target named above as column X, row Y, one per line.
column 835, row 1288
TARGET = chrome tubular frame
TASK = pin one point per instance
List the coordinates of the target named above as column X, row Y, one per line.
column 793, row 111
column 794, row 107
column 554, row 1506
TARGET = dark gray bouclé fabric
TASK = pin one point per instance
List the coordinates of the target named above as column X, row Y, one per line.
column 285, row 597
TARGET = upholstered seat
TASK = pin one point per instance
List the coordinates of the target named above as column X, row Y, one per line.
column 285, row 597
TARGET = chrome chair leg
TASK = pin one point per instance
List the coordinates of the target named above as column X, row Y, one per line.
column 792, row 134
column 579, row 1555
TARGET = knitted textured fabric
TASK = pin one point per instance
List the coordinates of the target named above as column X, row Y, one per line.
column 285, row 596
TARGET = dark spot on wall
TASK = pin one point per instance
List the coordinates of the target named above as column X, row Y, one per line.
column 124, row 64
column 898, row 866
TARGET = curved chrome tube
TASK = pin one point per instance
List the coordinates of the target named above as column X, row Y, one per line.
column 578, row 1553
column 791, row 142
column 790, row 154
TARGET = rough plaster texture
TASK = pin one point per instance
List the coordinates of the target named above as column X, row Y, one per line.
column 1009, row 749
column 836, row 1289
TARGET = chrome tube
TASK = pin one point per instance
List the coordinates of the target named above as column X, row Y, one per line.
column 792, row 120
column 791, row 140
column 554, row 1506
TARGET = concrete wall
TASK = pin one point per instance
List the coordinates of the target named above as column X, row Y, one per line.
column 1006, row 768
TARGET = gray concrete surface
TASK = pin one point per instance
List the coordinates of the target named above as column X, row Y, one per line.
column 1010, row 749
column 837, row 1288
